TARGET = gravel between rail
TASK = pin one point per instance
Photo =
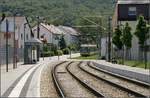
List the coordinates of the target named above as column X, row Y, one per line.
column 99, row 85
column 122, row 82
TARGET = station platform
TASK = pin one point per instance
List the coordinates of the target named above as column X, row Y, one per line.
column 24, row 81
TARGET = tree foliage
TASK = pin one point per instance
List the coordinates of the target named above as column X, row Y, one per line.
column 127, row 35
column 62, row 43
column 117, row 37
column 142, row 31
column 70, row 10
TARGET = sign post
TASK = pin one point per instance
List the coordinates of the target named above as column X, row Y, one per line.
column 6, row 45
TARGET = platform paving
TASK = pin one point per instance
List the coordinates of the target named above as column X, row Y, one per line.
column 24, row 81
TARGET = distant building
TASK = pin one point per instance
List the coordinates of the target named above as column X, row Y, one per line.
column 21, row 27
column 53, row 33
column 129, row 10
column 71, row 35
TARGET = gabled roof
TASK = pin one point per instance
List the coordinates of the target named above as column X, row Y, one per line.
column 51, row 28
column 69, row 30
column 133, row 1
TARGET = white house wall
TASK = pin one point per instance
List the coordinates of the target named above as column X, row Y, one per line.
column 27, row 32
column 47, row 34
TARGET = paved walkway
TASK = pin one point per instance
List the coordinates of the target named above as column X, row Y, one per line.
column 25, row 79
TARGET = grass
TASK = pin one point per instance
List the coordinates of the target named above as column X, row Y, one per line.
column 139, row 64
column 93, row 57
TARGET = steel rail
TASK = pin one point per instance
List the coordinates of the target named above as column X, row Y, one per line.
column 114, row 84
column 146, row 85
column 83, row 83
column 56, row 82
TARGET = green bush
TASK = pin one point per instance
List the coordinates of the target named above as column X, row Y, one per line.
column 45, row 54
column 66, row 51
column 52, row 53
column 75, row 47
column 68, row 46
column 45, row 48
column 103, row 58
column 54, row 49
column 59, row 52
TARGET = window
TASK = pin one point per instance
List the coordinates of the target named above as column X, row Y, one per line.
column 132, row 11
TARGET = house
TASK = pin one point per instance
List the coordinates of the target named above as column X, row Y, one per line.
column 52, row 34
column 22, row 34
column 71, row 35
column 44, row 33
column 48, row 32
column 129, row 10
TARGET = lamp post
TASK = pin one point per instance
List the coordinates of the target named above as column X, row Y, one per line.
column 7, row 45
column 109, row 43
column 38, row 36
column 24, row 39
column 14, row 60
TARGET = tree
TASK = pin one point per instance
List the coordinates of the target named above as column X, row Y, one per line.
column 142, row 33
column 116, row 40
column 117, row 37
column 127, row 38
column 62, row 43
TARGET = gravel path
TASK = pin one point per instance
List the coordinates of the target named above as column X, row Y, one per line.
column 99, row 85
column 47, row 88
column 70, row 86
column 119, row 81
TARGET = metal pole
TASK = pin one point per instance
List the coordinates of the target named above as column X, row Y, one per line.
column 24, row 40
column 6, row 45
column 100, row 36
column 43, row 51
column 70, row 52
column 38, row 36
column 109, row 43
column 14, row 46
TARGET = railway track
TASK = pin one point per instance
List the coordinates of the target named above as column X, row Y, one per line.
column 56, row 83
column 66, row 85
column 72, row 79
column 139, row 89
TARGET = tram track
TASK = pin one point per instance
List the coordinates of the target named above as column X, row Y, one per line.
column 72, row 79
column 128, row 83
column 56, row 83
column 97, row 94
column 98, row 85
column 66, row 85
column 144, row 87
